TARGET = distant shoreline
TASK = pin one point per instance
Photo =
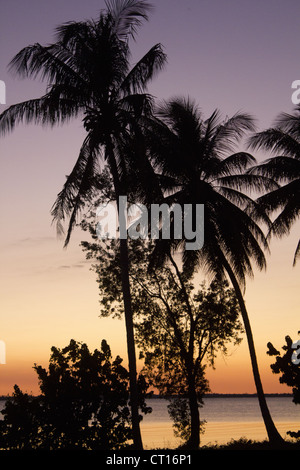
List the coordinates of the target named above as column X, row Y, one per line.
column 212, row 395
column 237, row 395
column 245, row 395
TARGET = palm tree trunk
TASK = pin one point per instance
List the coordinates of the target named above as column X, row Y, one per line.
column 273, row 434
column 134, row 401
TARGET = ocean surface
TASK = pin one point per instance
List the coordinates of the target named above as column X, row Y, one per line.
column 226, row 418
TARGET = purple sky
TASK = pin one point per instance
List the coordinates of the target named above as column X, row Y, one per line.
column 232, row 55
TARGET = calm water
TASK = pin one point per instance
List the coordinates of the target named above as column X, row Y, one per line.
column 232, row 409
column 227, row 418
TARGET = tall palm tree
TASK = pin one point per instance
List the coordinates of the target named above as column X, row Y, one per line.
column 284, row 140
column 88, row 74
column 198, row 167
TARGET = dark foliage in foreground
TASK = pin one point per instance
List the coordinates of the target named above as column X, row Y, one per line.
column 83, row 404
column 288, row 365
column 250, row 445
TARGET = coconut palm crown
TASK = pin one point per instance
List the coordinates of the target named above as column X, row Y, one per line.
column 283, row 140
column 88, row 74
column 199, row 164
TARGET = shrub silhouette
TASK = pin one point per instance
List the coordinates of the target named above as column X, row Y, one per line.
column 289, row 370
column 83, row 404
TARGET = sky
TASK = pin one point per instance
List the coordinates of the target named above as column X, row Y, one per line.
column 233, row 55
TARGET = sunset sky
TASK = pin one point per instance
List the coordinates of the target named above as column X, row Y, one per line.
column 234, row 55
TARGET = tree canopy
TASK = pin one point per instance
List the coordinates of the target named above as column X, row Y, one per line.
column 180, row 328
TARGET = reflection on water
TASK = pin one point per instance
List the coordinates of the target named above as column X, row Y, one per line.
column 162, row 436
column 227, row 418
column 231, row 409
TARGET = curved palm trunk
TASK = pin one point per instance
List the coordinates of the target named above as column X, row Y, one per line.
column 134, row 397
column 273, row 434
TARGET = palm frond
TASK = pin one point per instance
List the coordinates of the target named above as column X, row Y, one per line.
column 290, row 123
column 231, row 226
column 255, row 210
column 78, row 187
column 135, row 106
column 228, row 134
column 280, row 197
column 54, row 63
column 242, row 221
column 128, row 16
column 297, row 254
column 73, row 33
column 247, row 182
column 146, row 68
column 278, row 168
column 237, row 162
column 50, row 109
column 290, row 210
column 100, row 58
column 27, row 111
column 180, row 114
column 284, row 139
column 211, row 125
column 275, row 140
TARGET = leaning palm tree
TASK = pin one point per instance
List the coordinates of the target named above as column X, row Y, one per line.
column 198, row 167
column 284, row 140
column 88, row 75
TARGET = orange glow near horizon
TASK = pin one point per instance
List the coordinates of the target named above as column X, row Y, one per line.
column 231, row 375
column 49, row 295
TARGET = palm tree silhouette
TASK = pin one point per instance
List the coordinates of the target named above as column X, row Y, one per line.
column 284, row 140
column 193, row 157
column 88, row 74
